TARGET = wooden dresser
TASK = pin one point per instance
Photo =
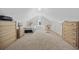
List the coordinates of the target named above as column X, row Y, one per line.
column 71, row 32
column 7, row 33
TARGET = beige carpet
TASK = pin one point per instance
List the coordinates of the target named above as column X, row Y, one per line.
column 40, row 41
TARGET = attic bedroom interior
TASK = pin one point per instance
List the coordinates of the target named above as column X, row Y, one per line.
column 39, row 28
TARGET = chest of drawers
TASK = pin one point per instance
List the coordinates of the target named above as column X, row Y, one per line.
column 71, row 33
column 7, row 33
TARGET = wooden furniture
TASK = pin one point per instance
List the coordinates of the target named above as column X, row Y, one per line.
column 71, row 32
column 20, row 32
column 7, row 33
column 48, row 28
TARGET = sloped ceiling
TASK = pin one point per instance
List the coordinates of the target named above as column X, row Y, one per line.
column 62, row 13
column 51, row 13
column 55, row 15
column 16, row 13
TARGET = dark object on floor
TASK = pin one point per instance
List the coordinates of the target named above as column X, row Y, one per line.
column 28, row 31
column 18, row 33
column 5, row 18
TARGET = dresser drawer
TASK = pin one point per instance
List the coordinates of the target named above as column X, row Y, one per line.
column 7, row 36
column 7, row 27
column 70, row 37
column 70, row 34
column 6, row 43
column 70, row 24
column 70, row 41
column 67, row 28
column 8, row 33
column 4, row 23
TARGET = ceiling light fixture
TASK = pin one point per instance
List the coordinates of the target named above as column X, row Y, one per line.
column 39, row 9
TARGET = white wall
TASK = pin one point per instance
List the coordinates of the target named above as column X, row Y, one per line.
column 59, row 15
column 55, row 15
column 18, row 14
column 33, row 23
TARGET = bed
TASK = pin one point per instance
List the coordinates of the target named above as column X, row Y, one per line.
column 40, row 41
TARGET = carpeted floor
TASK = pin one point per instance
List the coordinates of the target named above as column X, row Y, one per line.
column 41, row 41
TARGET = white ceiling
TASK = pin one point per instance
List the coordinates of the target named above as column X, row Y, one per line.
column 51, row 13
column 56, row 15
column 62, row 12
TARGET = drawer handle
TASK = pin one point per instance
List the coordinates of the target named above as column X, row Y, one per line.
column 72, row 24
column 74, row 38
